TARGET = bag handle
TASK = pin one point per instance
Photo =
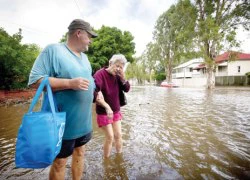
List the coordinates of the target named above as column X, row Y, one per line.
column 45, row 82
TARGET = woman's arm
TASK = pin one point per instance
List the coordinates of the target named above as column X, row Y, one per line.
column 100, row 101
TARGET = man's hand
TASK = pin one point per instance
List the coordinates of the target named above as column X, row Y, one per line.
column 79, row 83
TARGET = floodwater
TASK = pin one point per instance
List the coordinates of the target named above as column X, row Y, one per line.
column 168, row 134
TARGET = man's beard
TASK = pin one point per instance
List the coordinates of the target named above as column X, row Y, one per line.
column 86, row 48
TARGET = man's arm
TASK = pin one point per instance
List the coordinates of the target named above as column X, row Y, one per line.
column 63, row 84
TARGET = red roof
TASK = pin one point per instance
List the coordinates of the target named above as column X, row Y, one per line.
column 200, row 66
column 227, row 55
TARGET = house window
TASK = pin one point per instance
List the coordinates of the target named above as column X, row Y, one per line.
column 238, row 69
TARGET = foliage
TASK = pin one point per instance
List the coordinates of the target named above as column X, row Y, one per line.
column 248, row 74
column 160, row 76
column 110, row 41
column 64, row 38
column 217, row 23
column 150, row 59
column 16, row 60
column 136, row 70
column 173, row 35
column 199, row 28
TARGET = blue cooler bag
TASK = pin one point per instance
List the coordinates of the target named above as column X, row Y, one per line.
column 39, row 137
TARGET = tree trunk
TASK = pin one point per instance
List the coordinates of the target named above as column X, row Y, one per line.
column 169, row 74
column 150, row 76
column 210, row 78
column 166, row 72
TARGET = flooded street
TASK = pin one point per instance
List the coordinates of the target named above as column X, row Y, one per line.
column 167, row 134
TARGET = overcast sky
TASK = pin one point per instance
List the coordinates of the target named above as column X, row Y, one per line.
column 45, row 21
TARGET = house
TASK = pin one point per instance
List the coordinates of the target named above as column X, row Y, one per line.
column 231, row 67
column 186, row 70
column 232, row 64
column 186, row 74
column 229, row 64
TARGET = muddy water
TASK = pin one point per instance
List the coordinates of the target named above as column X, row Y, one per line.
column 168, row 134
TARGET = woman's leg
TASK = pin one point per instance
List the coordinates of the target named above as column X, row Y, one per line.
column 109, row 136
column 118, row 136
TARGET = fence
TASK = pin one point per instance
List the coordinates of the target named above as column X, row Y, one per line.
column 232, row 81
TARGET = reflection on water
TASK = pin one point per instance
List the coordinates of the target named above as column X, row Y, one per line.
column 168, row 134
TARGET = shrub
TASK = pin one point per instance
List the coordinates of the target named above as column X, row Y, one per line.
column 248, row 74
column 160, row 77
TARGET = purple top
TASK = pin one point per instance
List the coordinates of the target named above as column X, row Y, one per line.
column 109, row 85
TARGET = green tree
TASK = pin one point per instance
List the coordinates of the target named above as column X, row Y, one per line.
column 64, row 38
column 15, row 60
column 110, row 41
column 29, row 54
column 217, row 23
column 172, row 35
column 137, row 71
column 150, row 57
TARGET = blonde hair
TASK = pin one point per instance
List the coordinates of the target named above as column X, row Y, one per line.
column 118, row 57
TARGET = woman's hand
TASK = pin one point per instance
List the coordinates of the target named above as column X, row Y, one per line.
column 100, row 100
column 109, row 112
column 121, row 74
column 99, row 97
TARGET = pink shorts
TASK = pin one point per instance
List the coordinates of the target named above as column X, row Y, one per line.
column 102, row 119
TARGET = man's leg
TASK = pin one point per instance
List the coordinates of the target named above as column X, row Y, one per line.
column 57, row 170
column 118, row 136
column 78, row 162
column 109, row 136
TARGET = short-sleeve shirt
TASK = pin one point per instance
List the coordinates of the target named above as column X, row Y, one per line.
column 57, row 60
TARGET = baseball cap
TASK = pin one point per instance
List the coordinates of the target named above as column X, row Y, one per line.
column 81, row 24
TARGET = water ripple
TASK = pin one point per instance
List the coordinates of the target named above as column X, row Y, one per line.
column 167, row 134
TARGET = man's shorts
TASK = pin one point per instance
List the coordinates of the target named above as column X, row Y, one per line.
column 103, row 120
column 69, row 145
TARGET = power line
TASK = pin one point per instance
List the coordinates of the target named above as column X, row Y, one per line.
column 25, row 27
column 78, row 8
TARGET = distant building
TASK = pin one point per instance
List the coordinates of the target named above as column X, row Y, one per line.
column 193, row 72
column 232, row 64
column 186, row 70
column 186, row 74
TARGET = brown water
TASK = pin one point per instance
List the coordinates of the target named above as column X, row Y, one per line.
column 168, row 134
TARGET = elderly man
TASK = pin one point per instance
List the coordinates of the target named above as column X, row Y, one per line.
column 70, row 76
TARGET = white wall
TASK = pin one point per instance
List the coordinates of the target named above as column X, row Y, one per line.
column 223, row 71
column 181, row 75
column 191, row 82
column 233, row 68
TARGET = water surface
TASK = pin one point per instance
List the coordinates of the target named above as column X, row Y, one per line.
column 168, row 134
